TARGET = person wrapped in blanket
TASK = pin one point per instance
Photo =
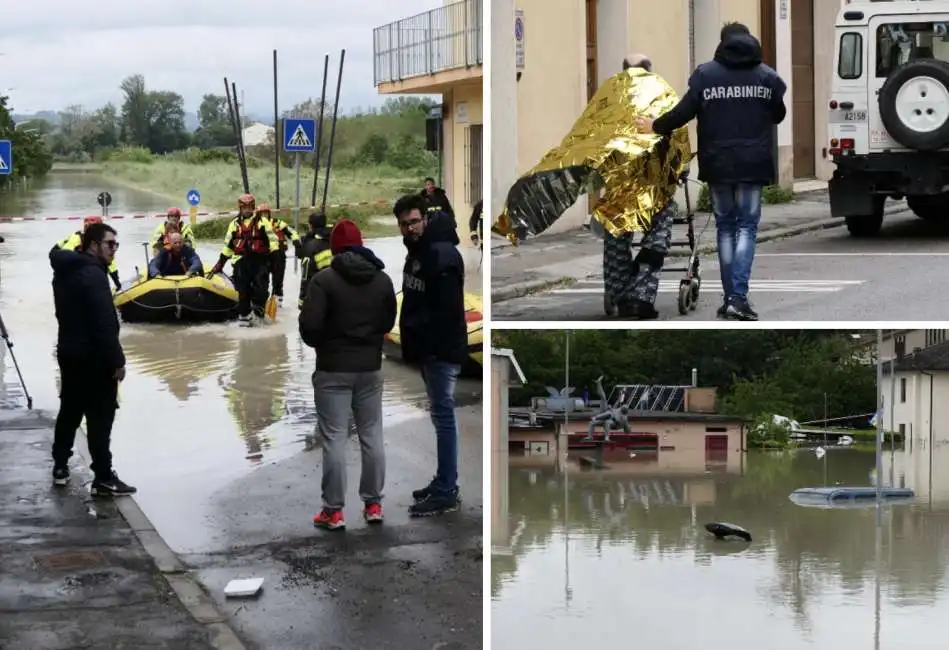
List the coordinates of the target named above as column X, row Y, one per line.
column 632, row 283
column 74, row 243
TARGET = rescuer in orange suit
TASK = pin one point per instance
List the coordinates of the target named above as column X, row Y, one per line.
column 251, row 244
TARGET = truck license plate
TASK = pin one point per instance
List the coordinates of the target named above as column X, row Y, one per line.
column 855, row 116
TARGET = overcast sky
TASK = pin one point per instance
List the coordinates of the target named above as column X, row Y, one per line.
column 61, row 52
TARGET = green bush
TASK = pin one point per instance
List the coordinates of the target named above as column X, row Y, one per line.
column 128, row 154
column 195, row 156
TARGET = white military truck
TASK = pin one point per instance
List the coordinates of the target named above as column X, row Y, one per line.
column 889, row 111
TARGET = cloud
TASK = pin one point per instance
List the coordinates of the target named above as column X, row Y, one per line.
column 61, row 52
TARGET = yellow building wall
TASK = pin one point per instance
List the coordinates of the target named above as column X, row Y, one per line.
column 455, row 164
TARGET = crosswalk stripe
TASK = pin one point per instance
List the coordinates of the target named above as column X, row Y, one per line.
column 763, row 286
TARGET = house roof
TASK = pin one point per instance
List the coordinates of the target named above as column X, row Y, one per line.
column 505, row 352
column 542, row 415
column 935, row 357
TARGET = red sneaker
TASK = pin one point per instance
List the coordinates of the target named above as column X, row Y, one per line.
column 372, row 513
column 330, row 519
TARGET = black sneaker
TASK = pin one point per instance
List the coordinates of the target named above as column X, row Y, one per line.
column 422, row 494
column 60, row 475
column 722, row 311
column 740, row 310
column 112, row 487
column 437, row 503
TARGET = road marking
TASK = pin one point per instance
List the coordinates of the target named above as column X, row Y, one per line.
column 760, row 286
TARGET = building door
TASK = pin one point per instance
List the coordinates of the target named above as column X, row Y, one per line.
column 767, row 36
column 591, row 49
column 474, row 164
column 802, row 82
column 716, row 448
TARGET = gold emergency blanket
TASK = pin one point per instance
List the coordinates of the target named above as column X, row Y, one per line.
column 638, row 173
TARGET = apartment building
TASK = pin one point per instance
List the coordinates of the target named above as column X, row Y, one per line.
column 558, row 52
column 440, row 52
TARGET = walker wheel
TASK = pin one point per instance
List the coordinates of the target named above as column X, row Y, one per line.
column 685, row 297
column 609, row 306
column 696, row 288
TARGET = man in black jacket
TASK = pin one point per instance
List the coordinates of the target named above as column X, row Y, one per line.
column 91, row 360
column 314, row 251
column 436, row 198
column 348, row 310
column 434, row 335
column 738, row 100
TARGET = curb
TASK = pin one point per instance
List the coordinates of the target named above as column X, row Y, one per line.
column 188, row 590
column 521, row 289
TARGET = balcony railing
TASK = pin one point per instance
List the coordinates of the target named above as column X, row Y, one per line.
column 446, row 38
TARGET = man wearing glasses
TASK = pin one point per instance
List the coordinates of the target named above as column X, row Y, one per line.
column 434, row 335
column 91, row 360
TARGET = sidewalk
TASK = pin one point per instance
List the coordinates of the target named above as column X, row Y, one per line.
column 73, row 574
column 550, row 260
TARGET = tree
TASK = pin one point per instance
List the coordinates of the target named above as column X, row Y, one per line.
column 32, row 158
column 152, row 119
column 134, row 130
column 214, row 128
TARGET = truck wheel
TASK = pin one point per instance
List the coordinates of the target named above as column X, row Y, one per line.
column 914, row 104
column 929, row 208
column 867, row 225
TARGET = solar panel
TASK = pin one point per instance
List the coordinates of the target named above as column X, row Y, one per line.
column 650, row 397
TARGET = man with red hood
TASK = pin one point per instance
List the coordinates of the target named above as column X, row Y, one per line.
column 348, row 309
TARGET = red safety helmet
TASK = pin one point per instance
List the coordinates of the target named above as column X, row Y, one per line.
column 174, row 212
column 264, row 209
column 246, row 200
column 88, row 221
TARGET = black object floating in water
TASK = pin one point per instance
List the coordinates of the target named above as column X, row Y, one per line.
column 722, row 530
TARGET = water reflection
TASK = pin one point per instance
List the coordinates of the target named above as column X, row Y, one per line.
column 577, row 549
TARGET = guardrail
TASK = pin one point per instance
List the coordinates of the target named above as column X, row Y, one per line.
column 441, row 39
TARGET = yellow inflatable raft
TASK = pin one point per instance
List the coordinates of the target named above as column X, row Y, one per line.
column 475, row 320
column 177, row 298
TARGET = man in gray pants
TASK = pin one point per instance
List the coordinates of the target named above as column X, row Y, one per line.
column 348, row 309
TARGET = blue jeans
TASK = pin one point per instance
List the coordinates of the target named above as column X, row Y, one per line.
column 440, row 379
column 737, row 215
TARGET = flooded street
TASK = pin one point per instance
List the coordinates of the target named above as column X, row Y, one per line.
column 622, row 554
column 204, row 406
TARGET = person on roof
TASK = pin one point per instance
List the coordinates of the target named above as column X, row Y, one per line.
column 172, row 223
column 177, row 259
column 284, row 233
column 251, row 244
column 314, row 251
column 74, row 243
column 436, row 199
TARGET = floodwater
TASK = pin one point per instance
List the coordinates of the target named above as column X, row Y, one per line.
column 620, row 556
column 201, row 405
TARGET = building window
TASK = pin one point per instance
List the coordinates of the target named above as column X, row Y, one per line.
column 850, row 63
column 716, row 429
column 902, row 429
column 899, row 347
column 902, row 390
column 473, row 163
column 935, row 337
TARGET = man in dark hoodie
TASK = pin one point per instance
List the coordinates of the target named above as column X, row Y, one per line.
column 737, row 100
column 436, row 198
column 314, row 252
column 434, row 335
column 91, row 360
column 348, row 310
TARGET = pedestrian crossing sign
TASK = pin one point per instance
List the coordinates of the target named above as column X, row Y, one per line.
column 299, row 135
column 6, row 157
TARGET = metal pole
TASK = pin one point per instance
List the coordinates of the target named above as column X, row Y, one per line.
column 893, row 403
column 566, row 479
column 276, row 133
column 296, row 210
column 879, row 447
column 329, row 154
column 319, row 130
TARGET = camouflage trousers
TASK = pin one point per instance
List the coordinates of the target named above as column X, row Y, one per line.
column 637, row 278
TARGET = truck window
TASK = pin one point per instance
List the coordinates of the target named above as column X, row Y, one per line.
column 850, row 64
column 900, row 43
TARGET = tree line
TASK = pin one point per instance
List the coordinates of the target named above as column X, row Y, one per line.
column 155, row 121
column 757, row 373
column 32, row 158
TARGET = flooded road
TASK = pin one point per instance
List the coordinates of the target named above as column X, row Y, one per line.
column 201, row 406
column 621, row 554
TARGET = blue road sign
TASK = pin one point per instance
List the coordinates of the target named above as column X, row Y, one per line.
column 194, row 197
column 6, row 157
column 299, row 135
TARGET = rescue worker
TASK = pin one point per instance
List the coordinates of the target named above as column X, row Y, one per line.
column 475, row 224
column 436, row 199
column 177, row 259
column 251, row 244
column 172, row 223
column 284, row 233
column 314, row 252
column 74, row 243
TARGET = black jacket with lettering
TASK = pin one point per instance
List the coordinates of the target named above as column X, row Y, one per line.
column 432, row 321
column 737, row 100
